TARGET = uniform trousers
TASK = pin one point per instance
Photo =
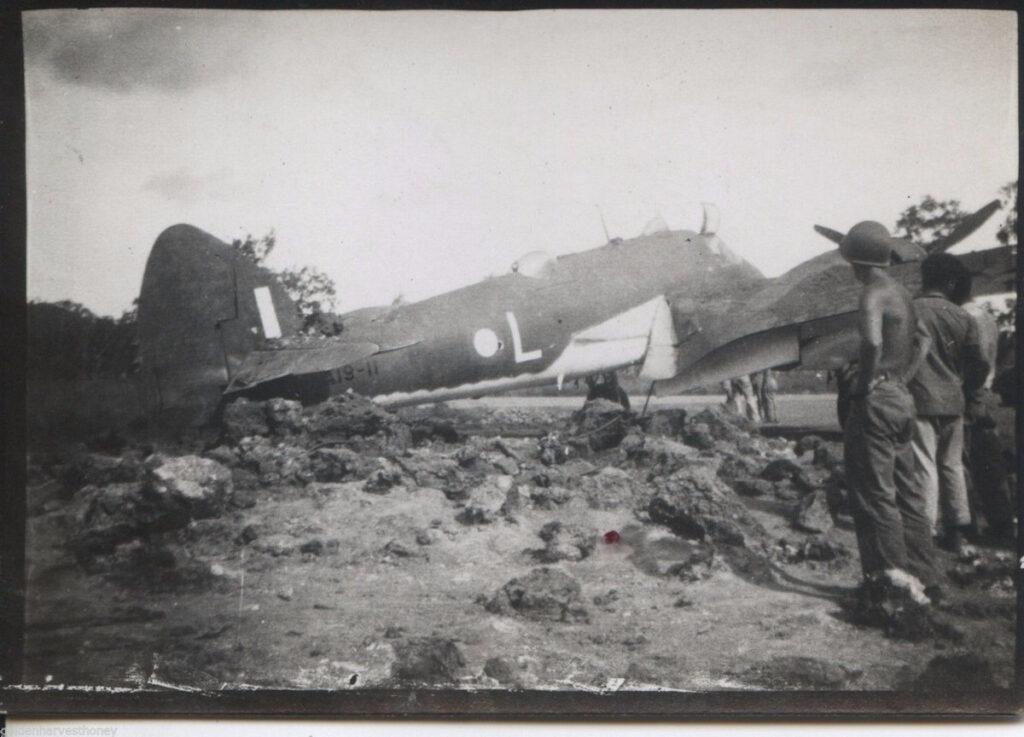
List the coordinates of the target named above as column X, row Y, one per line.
column 893, row 530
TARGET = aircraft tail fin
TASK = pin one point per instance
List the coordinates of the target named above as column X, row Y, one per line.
column 203, row 307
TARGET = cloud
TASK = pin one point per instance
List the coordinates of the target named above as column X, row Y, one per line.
column 182, row 186
column 129, row 49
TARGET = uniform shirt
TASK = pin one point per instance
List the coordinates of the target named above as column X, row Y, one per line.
column 937, row 386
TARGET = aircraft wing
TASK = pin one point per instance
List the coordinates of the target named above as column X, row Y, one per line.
column 259, row 367
column 807, row 322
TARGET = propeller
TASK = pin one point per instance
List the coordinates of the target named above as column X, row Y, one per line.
column 833, row 235
column 967, row 226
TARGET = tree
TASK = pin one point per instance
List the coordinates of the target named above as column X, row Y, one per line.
column 1007, row 234
column 930, row 220
column 256, row 249
column 312, row 290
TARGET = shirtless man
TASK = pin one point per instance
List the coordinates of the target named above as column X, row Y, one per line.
column 893, row 532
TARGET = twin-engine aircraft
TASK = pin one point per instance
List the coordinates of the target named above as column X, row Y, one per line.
column 213, row 325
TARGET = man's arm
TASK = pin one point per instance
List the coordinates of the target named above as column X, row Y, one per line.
column 870, row 340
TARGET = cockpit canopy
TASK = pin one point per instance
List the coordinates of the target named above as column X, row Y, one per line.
column 535, row 264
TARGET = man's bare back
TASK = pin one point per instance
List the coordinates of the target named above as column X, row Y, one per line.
column 887, row 325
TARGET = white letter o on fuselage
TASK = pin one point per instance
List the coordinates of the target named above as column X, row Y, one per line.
column 486, row 342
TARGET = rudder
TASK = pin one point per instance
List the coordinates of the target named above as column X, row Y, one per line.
column 203, row 307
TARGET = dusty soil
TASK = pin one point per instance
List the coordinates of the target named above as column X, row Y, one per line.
column 455, row 548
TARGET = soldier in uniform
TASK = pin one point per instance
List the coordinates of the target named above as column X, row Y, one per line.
column 894, row 535
column 953, row 366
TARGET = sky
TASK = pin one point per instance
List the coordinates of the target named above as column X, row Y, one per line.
column 410, row 153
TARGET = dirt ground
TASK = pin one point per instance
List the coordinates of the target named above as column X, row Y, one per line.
column 459, row 547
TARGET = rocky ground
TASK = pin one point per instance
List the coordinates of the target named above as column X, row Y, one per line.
column 342, row 546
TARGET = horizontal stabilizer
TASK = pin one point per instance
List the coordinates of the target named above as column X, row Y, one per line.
column 259, row 367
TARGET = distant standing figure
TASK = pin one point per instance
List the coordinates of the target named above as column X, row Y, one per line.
column 769, row 387
column 893, row 532
column 952, row 367
column 730, row 401
column 744, row 388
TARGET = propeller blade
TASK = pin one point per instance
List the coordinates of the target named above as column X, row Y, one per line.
column 969, row 224
column 833, row 235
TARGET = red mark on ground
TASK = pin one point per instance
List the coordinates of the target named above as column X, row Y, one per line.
column 611, row 537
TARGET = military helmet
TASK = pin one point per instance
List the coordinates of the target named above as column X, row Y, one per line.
column 867, row 243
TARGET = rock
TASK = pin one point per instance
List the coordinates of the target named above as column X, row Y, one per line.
column 791, row 672
column 505, row 465
column 813, row 514
column 502, row 670
column 829, row 456
column 734, row 466
column 468, row 454
column 104, row 518
column 669, row 423
column 723, row 424
column 427, row 661
column 565, row 542
column 601, row 424
column 247, row 535
column 698, row 435
column 431, row 423
column 157, row 569
column 753, row 487
column 397, row 549
column 543, row 594
column 274, row 463
column 335, row 464
column 576, row 468
column 349, row 415
column 224, row 455
column 786, row 491
column 430, row 470
column 609, row 488
column 277, row 545
column 314, row 546
column 956, row 673
column 486, row 501
column 819, row 548
column 664, row 456
column 551, row 497
column 384, row 476
column 694, row 503
column 806, row 443
column 97, row 469
column 201, row 485
column 503, row 447
column 284, row 416
column 244, row 418
column 780, row 469
column 552, row 449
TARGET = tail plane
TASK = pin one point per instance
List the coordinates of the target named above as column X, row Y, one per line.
column 203, row 307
